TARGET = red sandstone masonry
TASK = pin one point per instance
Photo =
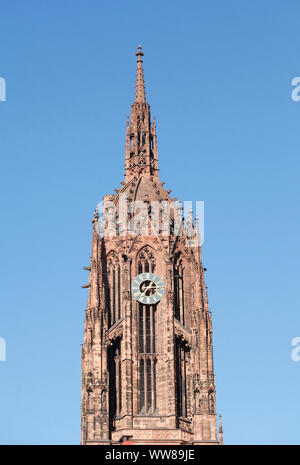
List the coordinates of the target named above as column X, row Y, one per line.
column 163, row 426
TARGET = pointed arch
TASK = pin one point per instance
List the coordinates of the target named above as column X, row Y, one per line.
column 114, row 287
column 146, row 260
column 181, row 363
column 179, row 288
column 115, row 380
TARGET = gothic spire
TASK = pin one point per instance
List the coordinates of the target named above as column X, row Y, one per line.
column 141, row 144
column 140, row 96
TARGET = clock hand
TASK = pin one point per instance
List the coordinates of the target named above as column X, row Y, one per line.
column 147, row 288
column 157, row 287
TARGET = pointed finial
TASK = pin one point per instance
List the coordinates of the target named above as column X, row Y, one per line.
column 220, row 423
column 220, row 430
column 140, row 96
column 96, row 215
column 197, row 231
column 139, row 53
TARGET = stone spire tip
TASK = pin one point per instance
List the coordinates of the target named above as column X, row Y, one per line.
column 140, row 95
column 139, row 53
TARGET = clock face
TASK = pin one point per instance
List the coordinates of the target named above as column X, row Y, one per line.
column 148, row 288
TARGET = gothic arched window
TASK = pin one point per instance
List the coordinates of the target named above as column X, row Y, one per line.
column 179, row 292
column 181, row 377
column 147, row 358
column 147, row 340
column 131, row 140
column 114, row 288
column 146, row 260
column 115, row 380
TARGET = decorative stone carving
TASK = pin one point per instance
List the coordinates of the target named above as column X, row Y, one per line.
column 170, row 295
column 126, row 294
column 115, row 333
column 183, row 335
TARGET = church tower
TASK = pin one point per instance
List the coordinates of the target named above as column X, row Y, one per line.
column 147, row 356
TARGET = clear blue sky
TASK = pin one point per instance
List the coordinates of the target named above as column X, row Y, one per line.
column 218, row 78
